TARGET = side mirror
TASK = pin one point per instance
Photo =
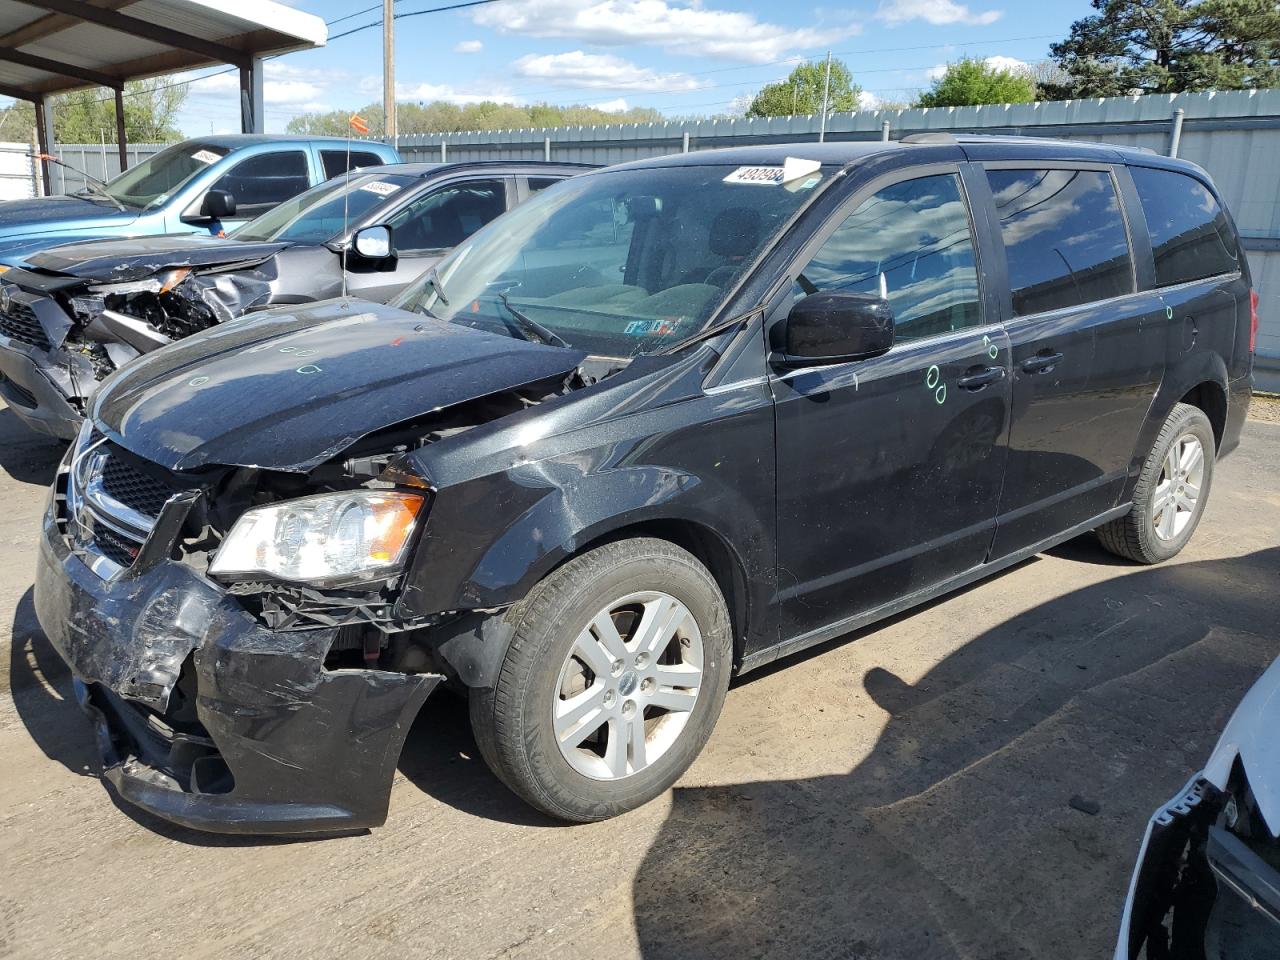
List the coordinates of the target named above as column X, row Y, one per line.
column 373, row 243
column 218, row 205
column 835, row 327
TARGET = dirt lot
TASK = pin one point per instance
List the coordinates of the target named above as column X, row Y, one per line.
column 902, row 793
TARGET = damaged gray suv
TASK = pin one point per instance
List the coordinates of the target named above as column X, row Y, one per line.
column 661, row 423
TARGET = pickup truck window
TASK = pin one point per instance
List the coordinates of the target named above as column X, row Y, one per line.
column 1064, row 236
column 335, row 161
column 1190, row 233
column 151, row 182
column 259, row 183
column 910, row 243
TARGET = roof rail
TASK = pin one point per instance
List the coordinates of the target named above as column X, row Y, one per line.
column 929, row 138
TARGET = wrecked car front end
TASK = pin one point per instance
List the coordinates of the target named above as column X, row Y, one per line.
column 1207, row 882
column 63, row 333
column 246, row 664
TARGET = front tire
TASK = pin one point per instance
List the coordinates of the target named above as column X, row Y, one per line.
column 1171, row 492
column 617, row 670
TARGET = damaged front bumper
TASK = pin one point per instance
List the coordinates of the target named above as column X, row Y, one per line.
column 206, row 718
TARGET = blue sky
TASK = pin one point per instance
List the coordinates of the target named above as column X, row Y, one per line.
column 680, row 56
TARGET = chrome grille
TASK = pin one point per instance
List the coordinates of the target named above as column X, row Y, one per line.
column 18, row 322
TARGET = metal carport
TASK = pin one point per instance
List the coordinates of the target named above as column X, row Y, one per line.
column 50, row 46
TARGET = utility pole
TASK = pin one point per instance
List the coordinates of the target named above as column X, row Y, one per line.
column 389, row 70
column 826, row 93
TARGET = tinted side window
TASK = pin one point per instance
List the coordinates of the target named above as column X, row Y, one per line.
column 541, row 183
column 335, row 161
column 911, row 243
column 445, row 217
column 1064, row 236
column 1190, row 234
column 261, row 182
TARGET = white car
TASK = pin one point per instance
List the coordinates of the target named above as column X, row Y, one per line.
column 1207, row 883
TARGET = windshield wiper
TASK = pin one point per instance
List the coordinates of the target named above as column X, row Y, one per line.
column 93, row 190
column 532, row 329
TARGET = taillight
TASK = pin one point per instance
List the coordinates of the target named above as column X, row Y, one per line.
column 1253, row 321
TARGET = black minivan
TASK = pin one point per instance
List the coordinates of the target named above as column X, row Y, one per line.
column 663, row 422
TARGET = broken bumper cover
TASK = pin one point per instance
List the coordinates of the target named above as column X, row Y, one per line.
column 280, row 745
column 28, row 388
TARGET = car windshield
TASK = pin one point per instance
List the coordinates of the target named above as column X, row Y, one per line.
column 617, row 263
column 155, row 179
column 323, row 212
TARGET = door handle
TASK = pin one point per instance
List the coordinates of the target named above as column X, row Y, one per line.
column 1041, row 362
column 982, row 377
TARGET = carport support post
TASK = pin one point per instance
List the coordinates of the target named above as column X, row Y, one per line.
column 122, row 141
column 44, row 137
column 251, row 119
column 1175, row 134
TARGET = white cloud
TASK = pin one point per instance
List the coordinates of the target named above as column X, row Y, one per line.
column 867, row 100
column 468, row 46
column 283, row 85
column 936, row 12
column 687, row 28
column 613, row 106
column 600, row 72
column 426, row 92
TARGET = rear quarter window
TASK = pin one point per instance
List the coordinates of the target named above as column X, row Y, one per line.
column 1191, row 236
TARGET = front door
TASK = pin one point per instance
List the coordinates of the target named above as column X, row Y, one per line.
column 889, row 469
column 1088, row 351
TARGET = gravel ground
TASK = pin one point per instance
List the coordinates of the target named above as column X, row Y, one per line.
column 903, row 792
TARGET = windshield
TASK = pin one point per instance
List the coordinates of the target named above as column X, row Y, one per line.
column 155, row 179
column 617, row 263
column 323, row 211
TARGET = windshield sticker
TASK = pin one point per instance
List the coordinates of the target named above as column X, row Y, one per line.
column 762, row 176
column 205, row 156
column 651, row 328
column 381, row 188
column 794, row 171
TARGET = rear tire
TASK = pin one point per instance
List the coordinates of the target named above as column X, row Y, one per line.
column 617, row 670
column 1171, row 492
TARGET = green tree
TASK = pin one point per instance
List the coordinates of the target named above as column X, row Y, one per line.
column 968, row 82
column 1170, row 46
column 89, row 115
column 439, row 116
column 801, row 92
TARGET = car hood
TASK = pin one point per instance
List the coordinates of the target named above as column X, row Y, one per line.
column 22, row 218
column 141, row 257
column 1251, row 737
column 291, row 390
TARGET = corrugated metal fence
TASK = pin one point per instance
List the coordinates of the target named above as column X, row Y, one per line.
column 1234, row 135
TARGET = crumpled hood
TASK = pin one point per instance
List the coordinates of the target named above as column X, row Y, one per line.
column 22, row 218
column 291, row 390
column 107, row 261
column 1253, row 735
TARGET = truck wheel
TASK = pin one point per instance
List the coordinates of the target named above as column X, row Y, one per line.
column 1171, row 492
column 617, row 670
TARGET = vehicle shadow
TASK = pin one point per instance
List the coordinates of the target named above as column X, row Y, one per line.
column 25, row 455
column 955, row 835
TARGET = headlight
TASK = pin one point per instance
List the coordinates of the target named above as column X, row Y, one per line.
column 335, row 536
column 161, row 283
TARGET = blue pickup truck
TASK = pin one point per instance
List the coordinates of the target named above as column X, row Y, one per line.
column 207, row 185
